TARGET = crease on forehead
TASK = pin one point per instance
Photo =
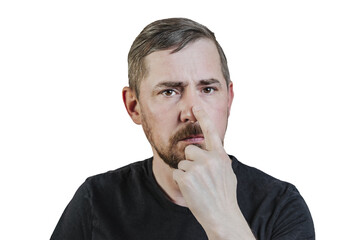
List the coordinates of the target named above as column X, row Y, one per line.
column 206, row 43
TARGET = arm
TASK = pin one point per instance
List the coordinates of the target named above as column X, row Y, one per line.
column 208, row 185
column 293, row 218
column 75, row 222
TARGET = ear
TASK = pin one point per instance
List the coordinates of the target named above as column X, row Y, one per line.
column 131, row 104
column 230, row 96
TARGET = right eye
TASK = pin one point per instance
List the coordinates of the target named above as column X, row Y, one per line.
column 168, row 92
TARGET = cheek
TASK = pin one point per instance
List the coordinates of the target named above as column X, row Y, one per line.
column 159, row 114
column 219, row 114
column 160, row 119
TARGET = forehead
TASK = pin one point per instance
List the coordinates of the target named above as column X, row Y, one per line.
column 196, row 61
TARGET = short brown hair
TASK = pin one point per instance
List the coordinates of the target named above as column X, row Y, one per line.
column 162, row 35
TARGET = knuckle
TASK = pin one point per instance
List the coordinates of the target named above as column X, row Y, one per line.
column 190, row 151
column 196, row 168
column 186, row 179
column 180, row 164
column 187, row 150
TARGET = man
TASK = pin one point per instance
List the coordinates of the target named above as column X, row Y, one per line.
column 181, row 93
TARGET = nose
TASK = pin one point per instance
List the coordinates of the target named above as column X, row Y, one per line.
column 188, row 100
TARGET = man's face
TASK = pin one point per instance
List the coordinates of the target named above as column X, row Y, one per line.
column 176, row 82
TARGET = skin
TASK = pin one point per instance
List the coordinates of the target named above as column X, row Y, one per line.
column 188, row 88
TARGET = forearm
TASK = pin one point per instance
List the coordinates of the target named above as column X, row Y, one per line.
column 232, row 227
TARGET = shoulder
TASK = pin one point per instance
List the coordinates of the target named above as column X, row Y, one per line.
column 267, row 200
column 119, row 178
column 259, row 181
column 257, row 188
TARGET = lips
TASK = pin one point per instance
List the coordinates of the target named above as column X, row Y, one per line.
column 194, row 139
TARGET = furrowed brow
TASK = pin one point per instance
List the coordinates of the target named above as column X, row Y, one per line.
column 210, row 81
column 170, row 84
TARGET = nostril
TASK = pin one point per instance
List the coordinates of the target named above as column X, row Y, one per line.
column 187, row 116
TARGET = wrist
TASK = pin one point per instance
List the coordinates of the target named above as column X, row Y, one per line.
column 232, row 226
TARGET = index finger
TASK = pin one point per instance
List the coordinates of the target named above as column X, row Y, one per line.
column 211, row 135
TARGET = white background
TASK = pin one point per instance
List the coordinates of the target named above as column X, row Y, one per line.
column 296, row 113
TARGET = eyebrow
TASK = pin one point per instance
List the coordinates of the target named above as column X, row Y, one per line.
column 171, row 84
column 209, row 82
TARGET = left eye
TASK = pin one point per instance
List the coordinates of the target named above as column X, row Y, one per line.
column 208, row 90
column 168, row 92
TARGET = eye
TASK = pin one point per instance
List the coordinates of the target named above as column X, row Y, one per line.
column 168, row 92
column 208, row 90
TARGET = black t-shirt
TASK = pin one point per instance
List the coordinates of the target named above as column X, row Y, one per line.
column 127, row 203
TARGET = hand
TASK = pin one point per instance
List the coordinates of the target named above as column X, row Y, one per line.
column 208, row 183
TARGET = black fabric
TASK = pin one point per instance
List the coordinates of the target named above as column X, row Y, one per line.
column 127, row 203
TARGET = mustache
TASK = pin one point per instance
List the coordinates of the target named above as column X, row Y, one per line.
column 185, row 132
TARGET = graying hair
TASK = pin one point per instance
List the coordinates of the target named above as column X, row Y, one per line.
column 163, row 35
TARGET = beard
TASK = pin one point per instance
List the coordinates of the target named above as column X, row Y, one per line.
column 172, row 153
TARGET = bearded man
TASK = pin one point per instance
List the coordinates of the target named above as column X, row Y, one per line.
column 181, row 93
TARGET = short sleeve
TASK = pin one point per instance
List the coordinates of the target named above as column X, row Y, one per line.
column 293, row 219
column 76, row 220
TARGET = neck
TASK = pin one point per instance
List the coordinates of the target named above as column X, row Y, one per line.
column 164, row 177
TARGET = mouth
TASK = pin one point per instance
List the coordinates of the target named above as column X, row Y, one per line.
column 192, row 139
